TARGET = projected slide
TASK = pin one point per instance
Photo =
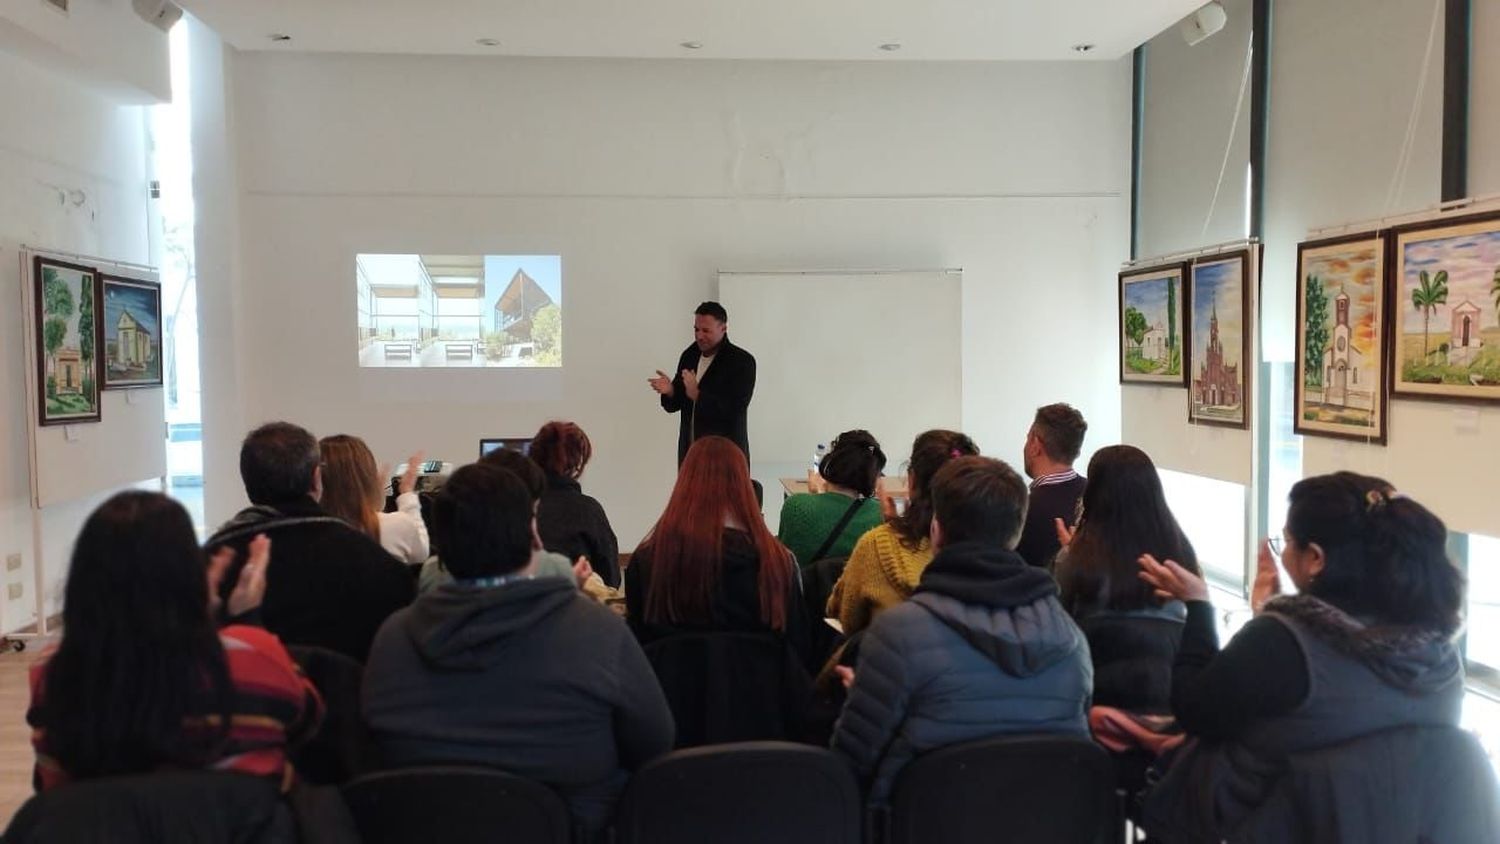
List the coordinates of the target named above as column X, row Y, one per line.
column 459, row 310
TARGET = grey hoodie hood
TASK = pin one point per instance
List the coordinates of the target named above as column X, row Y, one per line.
column 456, row 627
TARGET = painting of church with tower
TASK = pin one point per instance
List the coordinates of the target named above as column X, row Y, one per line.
column 1340, row 387
column 1220, row 330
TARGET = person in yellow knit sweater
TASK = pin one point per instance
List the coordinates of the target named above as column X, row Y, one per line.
column 887, row 562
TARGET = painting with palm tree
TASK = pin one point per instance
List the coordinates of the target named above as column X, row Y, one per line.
column 1341, row 385
column 65, row 305
column 1153, row 333
column 1447, row 300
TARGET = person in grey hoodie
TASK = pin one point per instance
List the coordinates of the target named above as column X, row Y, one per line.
column 982, row 648
column 512, row 671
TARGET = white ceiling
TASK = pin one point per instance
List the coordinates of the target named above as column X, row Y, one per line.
column 934, row 30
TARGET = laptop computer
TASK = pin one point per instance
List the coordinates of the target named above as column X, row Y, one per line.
column 489, row 444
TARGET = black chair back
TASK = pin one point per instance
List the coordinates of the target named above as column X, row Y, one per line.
column 342, row 749
column 1017, row 789
column 742, row 794
column 726, row 687
column 179, row 807
column 455, row 805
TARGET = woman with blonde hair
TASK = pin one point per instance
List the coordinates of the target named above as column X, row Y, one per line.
column 354, row 490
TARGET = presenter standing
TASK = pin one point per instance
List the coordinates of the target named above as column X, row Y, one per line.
column 713, row 384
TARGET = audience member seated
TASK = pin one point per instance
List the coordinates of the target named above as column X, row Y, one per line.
column 1366, row 646
column 710, row 564
column 548, row 564
column 983, row 648
column 330, row 584
column 143, row 679
column 1052, row 444
column 826, row 522
column 509, row 670
column 571, row 523
column 354, row 490
column 1133, row 636
column 888, row 560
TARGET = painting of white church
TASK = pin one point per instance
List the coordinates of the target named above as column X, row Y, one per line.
column 1448, row 310
column 1340, row 339
column 132, row 333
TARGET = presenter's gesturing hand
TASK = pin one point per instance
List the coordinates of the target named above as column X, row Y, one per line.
column 690, row 384
column 661, row 383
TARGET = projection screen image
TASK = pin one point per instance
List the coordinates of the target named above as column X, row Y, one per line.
column 459, row 310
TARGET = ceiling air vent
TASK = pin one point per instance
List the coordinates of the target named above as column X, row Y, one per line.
column 60, row 5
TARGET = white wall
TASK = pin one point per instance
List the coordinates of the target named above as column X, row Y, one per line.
column 1484, row 98
column 648, row 177
column 73, row 172
column 102, row 44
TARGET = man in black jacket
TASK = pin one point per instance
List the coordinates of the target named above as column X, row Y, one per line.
column 508, row 670
column 327, row 584
column 713, row 384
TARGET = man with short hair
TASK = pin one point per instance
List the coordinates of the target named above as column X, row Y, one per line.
column 1052, row 446
column 713, row 385
column 983, row 648
column 328, row 584
column 508, row 670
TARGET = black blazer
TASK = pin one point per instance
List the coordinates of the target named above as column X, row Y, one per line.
column 723, row 397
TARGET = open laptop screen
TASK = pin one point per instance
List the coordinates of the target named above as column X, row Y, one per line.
column 489, row 444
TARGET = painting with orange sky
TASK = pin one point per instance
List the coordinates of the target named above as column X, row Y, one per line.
column 1340, row 338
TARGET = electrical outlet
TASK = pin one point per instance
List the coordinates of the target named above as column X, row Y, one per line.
column 12, row 562
column 15, row 590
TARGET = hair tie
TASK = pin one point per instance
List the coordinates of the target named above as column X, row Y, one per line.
column 953, row 452
column 1374, row 500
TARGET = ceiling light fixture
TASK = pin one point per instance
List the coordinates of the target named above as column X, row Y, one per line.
column 487, row 42
column 890, row 48
column 1083, row 48
column 279, row 37
column 691, row 45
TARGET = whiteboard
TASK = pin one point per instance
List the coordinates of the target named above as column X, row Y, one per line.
column 127, row 445
column 837, row 350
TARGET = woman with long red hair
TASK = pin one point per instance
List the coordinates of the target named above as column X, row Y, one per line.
column 710, row 563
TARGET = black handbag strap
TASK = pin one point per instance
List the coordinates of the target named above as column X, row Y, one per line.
column 838, row 530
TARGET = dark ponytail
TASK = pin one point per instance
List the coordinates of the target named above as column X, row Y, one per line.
column 1385, row 555
column 930, row 451
column 855, row 462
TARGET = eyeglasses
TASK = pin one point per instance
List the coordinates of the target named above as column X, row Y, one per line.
column 1278, row 544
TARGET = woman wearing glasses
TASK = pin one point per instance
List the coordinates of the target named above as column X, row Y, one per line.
column 1365, row 646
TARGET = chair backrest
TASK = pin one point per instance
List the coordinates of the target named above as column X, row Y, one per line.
column 1026, row 788
column 342, row 749
column 725, row 687
column 455, row 805
column 742, row 794
column 818, row 579
column 178, row 807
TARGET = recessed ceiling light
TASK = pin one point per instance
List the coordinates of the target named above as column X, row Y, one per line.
column 890, row 48
column 277, row 36
column 487, row 42
column 1082, row 48
column 691, row 45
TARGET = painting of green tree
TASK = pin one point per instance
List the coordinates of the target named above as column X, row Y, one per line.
column 1151, row 346
column 1448, row 322
column 1340, row 340
column 66, row 331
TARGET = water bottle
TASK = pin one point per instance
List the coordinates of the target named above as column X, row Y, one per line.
column 818, row 453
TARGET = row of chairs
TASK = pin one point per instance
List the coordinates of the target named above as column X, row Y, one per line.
column 1019, row 788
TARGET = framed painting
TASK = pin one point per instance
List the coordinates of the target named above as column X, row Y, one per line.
column 1444, row 283
column 1341, row 335
column 65, row 323
column 132, row 332
column 1153, row 330
column 1220, row 330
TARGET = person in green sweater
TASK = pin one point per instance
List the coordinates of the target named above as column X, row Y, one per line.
column 845, row 504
